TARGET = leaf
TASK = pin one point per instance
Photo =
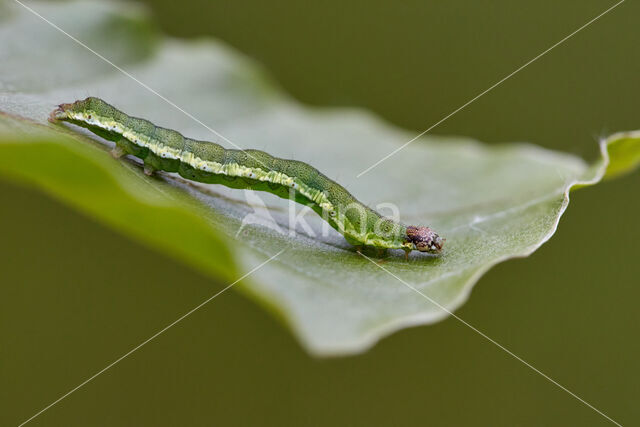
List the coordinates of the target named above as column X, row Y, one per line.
column 491, row 203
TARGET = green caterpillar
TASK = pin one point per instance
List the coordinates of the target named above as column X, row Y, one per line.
column 167, row 150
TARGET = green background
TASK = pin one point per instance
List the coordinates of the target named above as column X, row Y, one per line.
column 76, row 296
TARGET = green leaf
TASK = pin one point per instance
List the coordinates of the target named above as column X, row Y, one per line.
column 491, row 203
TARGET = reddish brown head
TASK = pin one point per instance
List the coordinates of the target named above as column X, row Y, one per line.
column 424, row 239
column 65, row 111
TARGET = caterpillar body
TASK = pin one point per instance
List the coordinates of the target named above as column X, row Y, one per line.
column 208, row 162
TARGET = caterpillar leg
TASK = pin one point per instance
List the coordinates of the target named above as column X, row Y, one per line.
column 148, row 169
column 118, row 152
column 406, row 254
column 121, row 148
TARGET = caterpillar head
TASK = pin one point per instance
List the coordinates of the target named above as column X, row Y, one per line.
column 424, row 239
column 74, row 109
column 60, row 113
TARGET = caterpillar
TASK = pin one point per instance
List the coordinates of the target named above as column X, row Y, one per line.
column 168, row 150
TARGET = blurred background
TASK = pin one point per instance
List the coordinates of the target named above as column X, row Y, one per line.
column 570, row 309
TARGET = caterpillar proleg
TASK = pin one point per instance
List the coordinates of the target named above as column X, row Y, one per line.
column 207, row 162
